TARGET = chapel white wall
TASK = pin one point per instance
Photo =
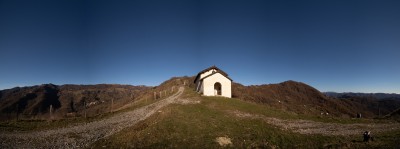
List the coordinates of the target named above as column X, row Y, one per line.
column 206, row 73
column 226, row 85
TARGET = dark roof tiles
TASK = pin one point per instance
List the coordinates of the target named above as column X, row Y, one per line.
column 210, row 68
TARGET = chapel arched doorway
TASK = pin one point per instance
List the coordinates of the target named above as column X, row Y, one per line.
column 217, row 89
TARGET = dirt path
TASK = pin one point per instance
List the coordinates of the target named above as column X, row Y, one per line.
column 85, row 134
column 312, row 127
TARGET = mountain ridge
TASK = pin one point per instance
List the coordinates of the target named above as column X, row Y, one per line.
column 78, row 100
column 301, row 98
column 360, row 94
column 34, row 101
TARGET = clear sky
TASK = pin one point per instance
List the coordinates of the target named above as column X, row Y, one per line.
column 332, row 45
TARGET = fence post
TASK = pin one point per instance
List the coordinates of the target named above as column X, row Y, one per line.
column 84, row 108
column 17, row 111
column 112, row 104
column 51, row 112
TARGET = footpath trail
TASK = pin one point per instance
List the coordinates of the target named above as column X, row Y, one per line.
column 85, row 134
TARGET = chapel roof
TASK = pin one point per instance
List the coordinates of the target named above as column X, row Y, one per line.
column 210, row 68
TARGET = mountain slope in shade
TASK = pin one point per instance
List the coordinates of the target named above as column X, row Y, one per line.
column 380, row 96
column 75, row 100
column 65, row 100
column 70, row 100
column 303, row 99
column 30, row 100
column 394, row 115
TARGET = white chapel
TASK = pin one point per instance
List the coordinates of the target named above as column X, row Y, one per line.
column 213, row 82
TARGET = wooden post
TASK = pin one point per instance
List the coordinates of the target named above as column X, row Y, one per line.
column 112, row 103
column 84, row 107
column 155, row 95
column 165, row 92
column 17, row 111
column 51, row 112
column 379, row 109
column 160, row 95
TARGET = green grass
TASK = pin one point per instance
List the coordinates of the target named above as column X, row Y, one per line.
column 255, row 108
column 198, row 125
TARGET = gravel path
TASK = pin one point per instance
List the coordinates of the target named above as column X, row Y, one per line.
column 312, row 127
column 82, row 135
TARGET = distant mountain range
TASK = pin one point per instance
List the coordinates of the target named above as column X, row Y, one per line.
column 68, row 101
column 379, row 96
column 33, row 102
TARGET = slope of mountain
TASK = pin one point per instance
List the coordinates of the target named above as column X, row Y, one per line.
column 369, row 95
column 195, row 121
column 79, row 100
column 394, row 115
column 66, row 100
column 303, row 99
column 378, row 103
column 284, row 115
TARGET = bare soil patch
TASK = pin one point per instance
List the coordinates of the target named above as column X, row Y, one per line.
column 223, row 141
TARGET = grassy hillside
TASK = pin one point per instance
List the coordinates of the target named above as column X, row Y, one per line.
column 301, row 98
column 66, row 101
column 70, row 109
column 201, row 122
column 377, row 107
column 194, row 121
column 74, row 101
column 395, row 115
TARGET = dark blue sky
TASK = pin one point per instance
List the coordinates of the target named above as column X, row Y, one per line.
column 329, row 44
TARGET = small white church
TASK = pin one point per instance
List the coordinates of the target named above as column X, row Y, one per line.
column 213, row 82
